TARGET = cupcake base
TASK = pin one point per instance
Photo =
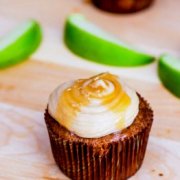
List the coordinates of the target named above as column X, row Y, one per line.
column 122, row 6
column 115, row 156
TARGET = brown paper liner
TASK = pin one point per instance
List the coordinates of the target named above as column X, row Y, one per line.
column 122, row 6
column 81, row 160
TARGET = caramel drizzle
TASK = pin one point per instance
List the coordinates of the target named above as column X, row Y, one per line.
column 80, row 93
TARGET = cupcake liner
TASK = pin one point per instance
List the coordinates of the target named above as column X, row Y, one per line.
column 79, row 160
column 118, row 160
column 122, row 6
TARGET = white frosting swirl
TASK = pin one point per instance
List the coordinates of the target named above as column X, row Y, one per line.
column 94, row 118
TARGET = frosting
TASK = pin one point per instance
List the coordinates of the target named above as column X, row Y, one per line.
column 94, row 107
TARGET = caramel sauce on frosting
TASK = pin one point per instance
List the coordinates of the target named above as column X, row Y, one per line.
column 85, row 103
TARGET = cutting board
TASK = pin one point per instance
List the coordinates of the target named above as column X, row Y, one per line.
column 25, row 151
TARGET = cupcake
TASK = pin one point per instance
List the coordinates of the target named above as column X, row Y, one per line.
column 122, row 6
column 98, row 128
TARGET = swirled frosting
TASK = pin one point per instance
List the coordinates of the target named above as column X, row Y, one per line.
column 94, row 107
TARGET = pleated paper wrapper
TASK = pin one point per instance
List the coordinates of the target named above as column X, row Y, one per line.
column 81, row 161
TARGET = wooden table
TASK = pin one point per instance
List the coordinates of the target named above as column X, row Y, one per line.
column 24, row 89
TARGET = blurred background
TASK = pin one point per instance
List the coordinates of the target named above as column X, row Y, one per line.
column 155, row 30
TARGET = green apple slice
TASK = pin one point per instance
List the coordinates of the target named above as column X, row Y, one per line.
column 90, row 42
column 169, row 73
column 20, row 43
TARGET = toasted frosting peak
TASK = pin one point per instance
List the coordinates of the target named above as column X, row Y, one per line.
column 94, row 107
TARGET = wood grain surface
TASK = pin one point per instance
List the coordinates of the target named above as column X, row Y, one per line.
column 24, row 145
column 24, row 89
